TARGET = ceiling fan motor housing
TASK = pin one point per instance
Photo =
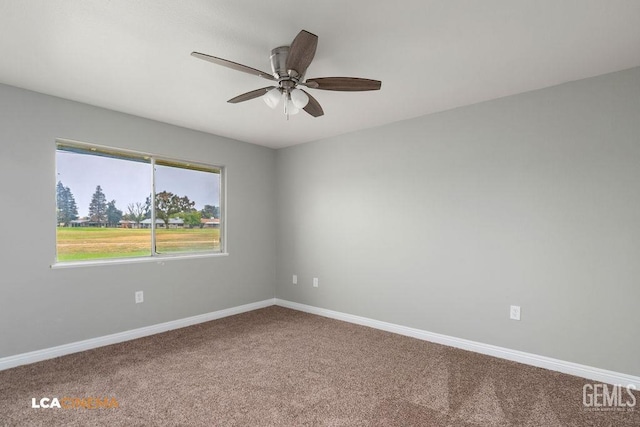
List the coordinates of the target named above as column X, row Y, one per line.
column 279, row 62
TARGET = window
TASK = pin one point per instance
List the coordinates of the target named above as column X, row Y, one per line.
column 105, row 209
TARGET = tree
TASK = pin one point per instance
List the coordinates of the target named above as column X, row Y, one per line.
column 191, row 219
column 138, row 211
column 210, row 211
column 98, row 207
column 66, row 205
column 168, row 204
column 147, row 207
column 114, row 215
column 61, row 203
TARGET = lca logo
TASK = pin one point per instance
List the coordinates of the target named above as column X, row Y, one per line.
column 605, row 397
column 74, row 403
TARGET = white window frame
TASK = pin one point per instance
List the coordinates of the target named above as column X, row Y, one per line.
column 152, row 158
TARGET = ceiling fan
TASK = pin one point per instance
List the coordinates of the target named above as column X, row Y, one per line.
column 288, row 65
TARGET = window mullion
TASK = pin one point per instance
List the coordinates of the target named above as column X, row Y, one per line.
column 153, row 207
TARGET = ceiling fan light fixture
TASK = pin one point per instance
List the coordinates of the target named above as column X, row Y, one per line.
column 272, row 97
column 299, row 98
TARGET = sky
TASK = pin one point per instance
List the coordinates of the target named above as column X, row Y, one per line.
column 128, row 182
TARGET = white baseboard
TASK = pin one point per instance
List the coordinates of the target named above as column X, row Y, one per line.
column 583, row 371
column 591, row 373
column 61, row 350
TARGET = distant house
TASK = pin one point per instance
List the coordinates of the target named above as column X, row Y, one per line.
column 82, row 222
column 210, row 222
column 173, row 223
column 87, row 222
column 124, row 223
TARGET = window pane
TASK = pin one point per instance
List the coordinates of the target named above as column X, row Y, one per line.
column 102, row 202
column 187, row 208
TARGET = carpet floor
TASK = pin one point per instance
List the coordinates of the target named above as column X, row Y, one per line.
column 280, row 367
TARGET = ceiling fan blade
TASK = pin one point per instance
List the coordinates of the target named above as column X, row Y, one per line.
column 348, row 84
column 313, row 106
column 301, row 53
column 250, row 95
column 233, row 65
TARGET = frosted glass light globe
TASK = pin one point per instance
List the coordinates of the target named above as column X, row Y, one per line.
column 272, row 97
column 299, row 98
column 291, row 108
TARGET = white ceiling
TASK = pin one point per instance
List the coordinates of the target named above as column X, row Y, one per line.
column 431, row 55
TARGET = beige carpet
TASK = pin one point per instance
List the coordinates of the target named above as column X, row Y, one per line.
column 282, row 367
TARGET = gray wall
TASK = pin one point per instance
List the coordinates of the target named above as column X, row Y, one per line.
column 438, row 223
column 443, row 221
column 41, row 307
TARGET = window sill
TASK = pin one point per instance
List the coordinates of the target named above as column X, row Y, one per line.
column 159, row 259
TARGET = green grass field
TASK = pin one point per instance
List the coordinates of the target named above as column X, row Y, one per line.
column 86, row 243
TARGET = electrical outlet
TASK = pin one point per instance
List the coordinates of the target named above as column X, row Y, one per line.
column 295, row 279
column 514, row 312
column 315, row 282
column 139, row 297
